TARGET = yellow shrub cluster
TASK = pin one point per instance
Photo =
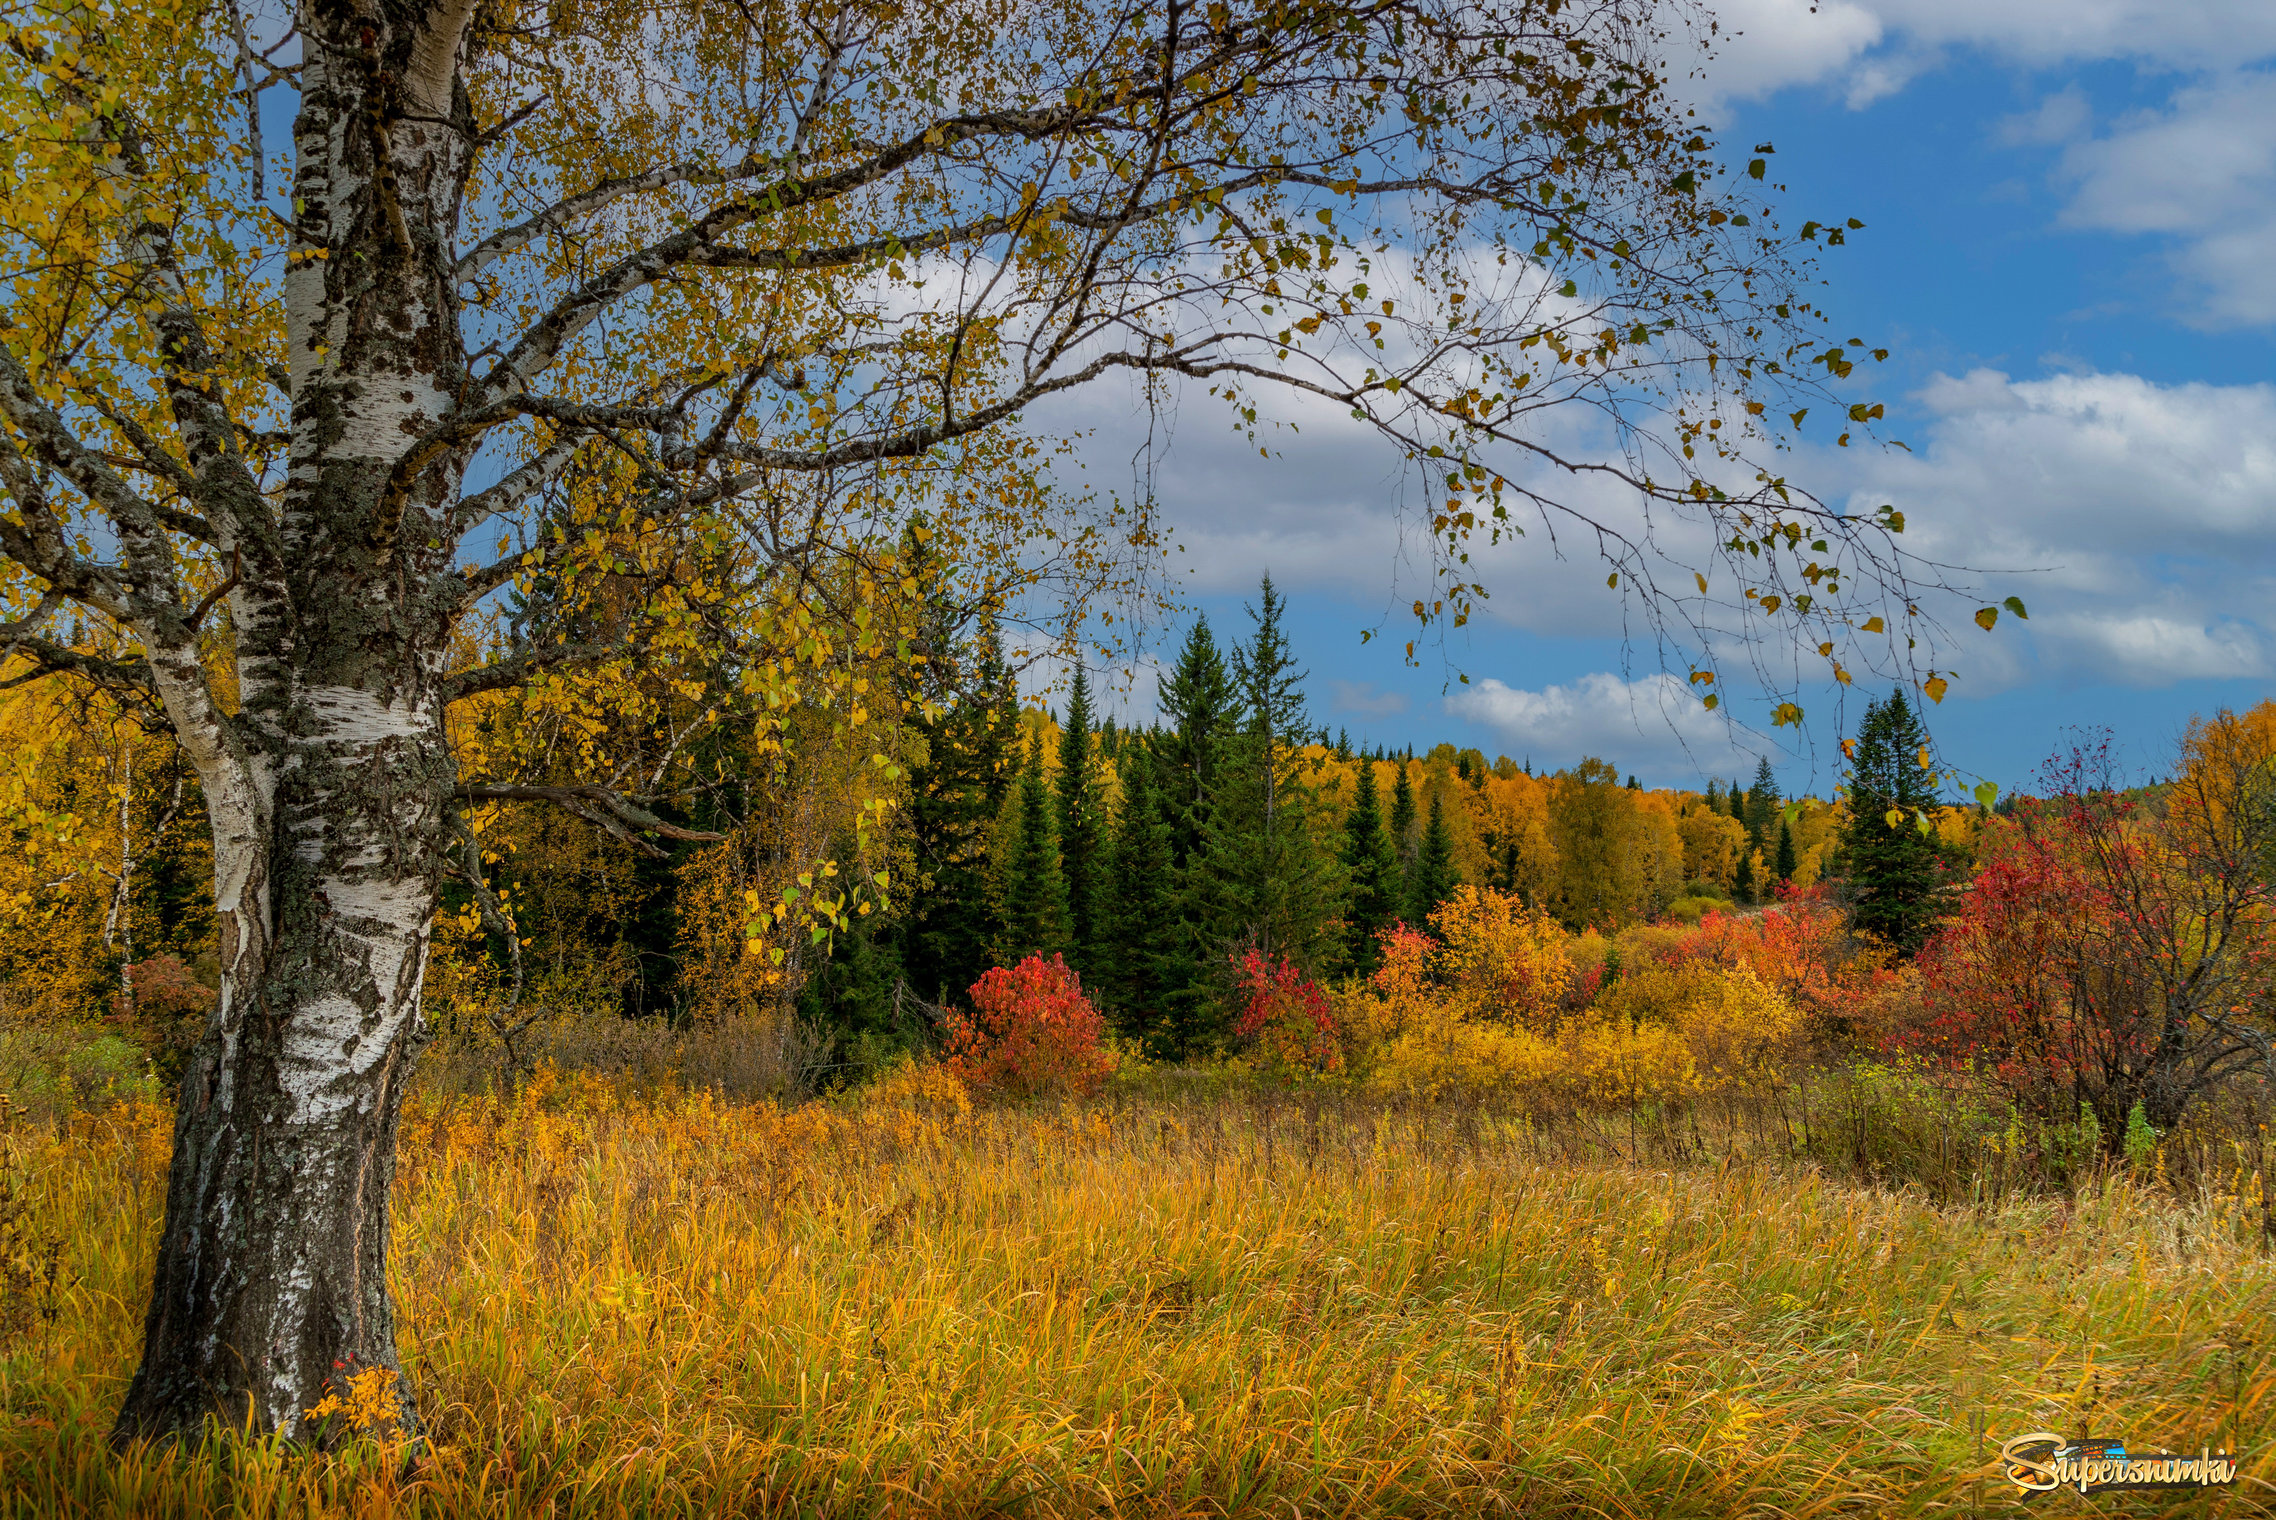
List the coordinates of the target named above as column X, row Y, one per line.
column 1671, row 1030
column 1504, row 1001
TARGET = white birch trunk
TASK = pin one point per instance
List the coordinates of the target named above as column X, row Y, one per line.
column 329, row 790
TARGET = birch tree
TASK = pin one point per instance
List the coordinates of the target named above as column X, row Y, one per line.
column 691, row 303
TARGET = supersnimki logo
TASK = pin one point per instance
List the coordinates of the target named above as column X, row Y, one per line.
column 2043, row 1461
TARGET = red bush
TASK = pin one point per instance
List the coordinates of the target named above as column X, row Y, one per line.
column 2114, row 949
column 165, row 1013
column 1286, row 1014
column 1802, row 948
column 1031, row 1032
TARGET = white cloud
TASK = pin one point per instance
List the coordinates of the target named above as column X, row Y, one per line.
column 1765, row 45
column 2146, row 649
column 2139, row 519
column 1652, row 727
column 2062, row 116
column 1362, row 699
column 1871, row 48
column 2202, row 171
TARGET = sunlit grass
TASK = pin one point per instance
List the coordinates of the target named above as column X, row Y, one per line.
column 678, row 1307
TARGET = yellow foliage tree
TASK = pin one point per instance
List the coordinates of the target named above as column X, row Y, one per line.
column 634, row 333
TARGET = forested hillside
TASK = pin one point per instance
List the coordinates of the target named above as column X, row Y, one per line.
column 1150, row 857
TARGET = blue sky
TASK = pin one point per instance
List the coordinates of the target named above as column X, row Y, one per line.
column 2071, row 250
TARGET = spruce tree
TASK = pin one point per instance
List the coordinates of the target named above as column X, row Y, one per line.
column 1201, row 712
column 1198, row 714
column 1743, row 880
column 1141, row 952
column 1372, row 870
column 1895, row 870
column 1785, row 865
column 957, row 787
column 1762, row 801
column 1261, row 881
column 1737, row 798
column 1433, row 878
column 1402, row 819
column 1081, row 817
column 1033, row 892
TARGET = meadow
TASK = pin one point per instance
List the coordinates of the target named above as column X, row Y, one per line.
column 1182, row 1297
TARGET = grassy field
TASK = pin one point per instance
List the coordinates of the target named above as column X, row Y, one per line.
column 626, row 1306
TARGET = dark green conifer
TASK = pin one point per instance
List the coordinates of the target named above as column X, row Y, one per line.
column 1373, row 872
column 957, row 785
column 1261, row 882
column 1433, row 878
column 1762, row 801
column 1895, row 869
column 1198, row 714
column 1403, row 838
column 1081, row 817
column 1785, row 864
column 1143, row 952
column 1033, row 893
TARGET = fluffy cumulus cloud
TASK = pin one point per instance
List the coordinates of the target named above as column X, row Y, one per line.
column 2202, row 172
column 2198, row 171
column 1870, row 48
column 1653, row 727
column 2136, row 520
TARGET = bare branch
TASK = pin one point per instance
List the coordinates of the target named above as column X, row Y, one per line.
column 607, row 810
column 517, row 668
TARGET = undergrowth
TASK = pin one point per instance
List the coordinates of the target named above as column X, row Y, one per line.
column 1239, row 1303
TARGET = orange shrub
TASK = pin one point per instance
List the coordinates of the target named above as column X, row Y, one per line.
column 1501, row 960
column 165, row 1014
column 1031, row 1032
column 1801, row 949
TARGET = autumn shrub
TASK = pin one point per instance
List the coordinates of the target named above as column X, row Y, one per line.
column 1500, row 960
column 1030, row 1033
column 162, row 1007
column 1286, row 1018
column 1503, row 1001
column 1731, row 1027
column 2115, row 950
column 1801, row 947
column 1469, row 1013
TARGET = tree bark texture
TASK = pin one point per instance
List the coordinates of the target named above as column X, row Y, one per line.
column 330, row 788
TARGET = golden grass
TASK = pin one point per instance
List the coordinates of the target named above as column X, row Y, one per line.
column 680, row 1307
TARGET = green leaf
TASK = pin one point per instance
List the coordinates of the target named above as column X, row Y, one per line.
column 2014, row 604
column 1757, row 167
column 1987, row 792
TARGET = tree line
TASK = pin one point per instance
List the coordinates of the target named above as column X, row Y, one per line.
column 1151, row 857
